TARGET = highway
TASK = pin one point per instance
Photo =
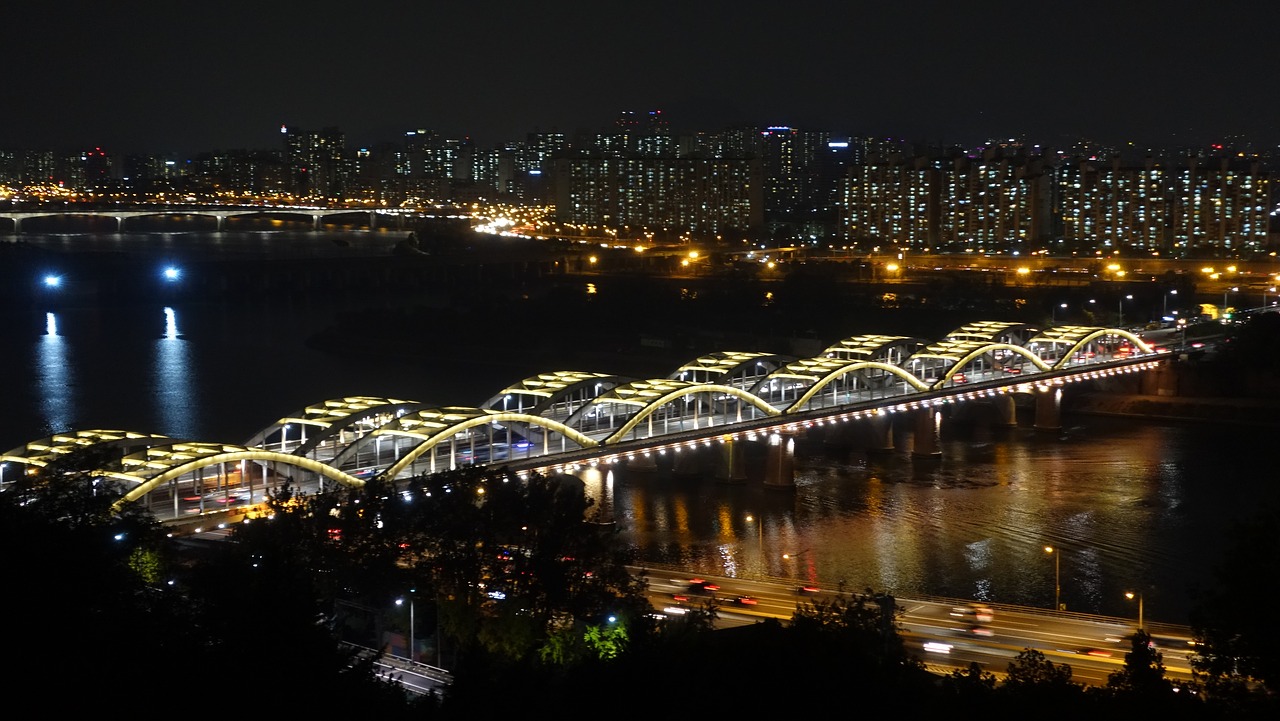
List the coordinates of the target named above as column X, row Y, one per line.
column 934, row 633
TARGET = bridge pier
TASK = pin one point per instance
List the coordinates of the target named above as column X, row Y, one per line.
column 840, row 435
column 1006, row 411
column 1048, row 408
column 643, row 462
column 779, row 465
column 926, row 439
column 732, row 467
column 879, row 430
column 687, row 462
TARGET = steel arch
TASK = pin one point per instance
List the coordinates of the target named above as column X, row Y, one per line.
column 723, row 364
column 329, row 416
column 229, row 456
column 1084, row 340
column 552, row 386
column 650, row 407
column 821, row 383
column 976, row 353
column 464, row 419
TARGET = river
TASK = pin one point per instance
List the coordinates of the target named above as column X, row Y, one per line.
column 1131, row 505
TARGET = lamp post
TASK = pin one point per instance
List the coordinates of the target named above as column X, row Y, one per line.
column 1182, row 328
column 1053, row 312
column 1129, row 595
column 1120, row 309
column 1057, row 584
column 1166, row 303
column 1264, row 296
column 1224, row 297
column 400, row 602
column 759, row 529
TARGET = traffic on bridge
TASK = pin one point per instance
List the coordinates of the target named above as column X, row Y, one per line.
column 562, row 421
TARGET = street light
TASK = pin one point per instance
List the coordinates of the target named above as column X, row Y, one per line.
column 1264, row 296
column 1053, row 312
column 1224, row 297
column 400, row 602
column 1120, row 310
column 1166, row 303
column 1057, row 584
column 1129, row 595
column 759, row 528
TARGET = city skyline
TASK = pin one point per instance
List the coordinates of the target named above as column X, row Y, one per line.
column 198, row 79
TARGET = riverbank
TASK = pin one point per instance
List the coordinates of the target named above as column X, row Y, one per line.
column 1243, row 411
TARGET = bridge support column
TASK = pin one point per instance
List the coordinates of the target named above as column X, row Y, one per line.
column 687, row 462
column 373, row 220
column 222, row 219
column 880, row 433
column 732, row 467
column 315, row 222
column 925, row 440
column 644, row 463
column 1006, row 411
column 779, row 465
column 119, row 223
column 17, row 226
column 1048, row 408
column 839, row 435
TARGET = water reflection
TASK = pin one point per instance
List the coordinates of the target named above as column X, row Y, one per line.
column 55, row 379
column 1130, row 505
column 174, row 381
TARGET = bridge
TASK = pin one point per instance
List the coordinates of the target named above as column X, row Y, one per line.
column 581, row 423
column 219, row 213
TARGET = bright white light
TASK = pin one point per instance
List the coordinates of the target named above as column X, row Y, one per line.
column 172, row 273
column 52, row 281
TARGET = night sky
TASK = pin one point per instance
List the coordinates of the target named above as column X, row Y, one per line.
column 185, row 77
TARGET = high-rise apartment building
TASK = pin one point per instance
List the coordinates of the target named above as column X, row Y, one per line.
column 670, row 197
column 1014, row 203
column 316, row 161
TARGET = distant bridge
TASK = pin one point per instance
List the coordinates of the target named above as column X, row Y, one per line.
column 220, row 213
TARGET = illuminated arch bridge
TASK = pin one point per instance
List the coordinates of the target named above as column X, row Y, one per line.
column 563, row 414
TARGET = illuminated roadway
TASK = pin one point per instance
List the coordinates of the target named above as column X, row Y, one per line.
column 1094, row 646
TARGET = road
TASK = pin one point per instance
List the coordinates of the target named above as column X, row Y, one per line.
column 1094, row 646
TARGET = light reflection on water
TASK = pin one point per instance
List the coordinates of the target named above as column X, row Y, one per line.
column 174, row 381
column 1130, row 506
column 54, row 375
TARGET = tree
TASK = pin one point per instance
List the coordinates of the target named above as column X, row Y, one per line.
column 1034, row 680
column 1143, row 672
column 1237, row 639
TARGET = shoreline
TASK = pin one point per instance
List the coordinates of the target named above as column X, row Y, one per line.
column 1242, row 411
